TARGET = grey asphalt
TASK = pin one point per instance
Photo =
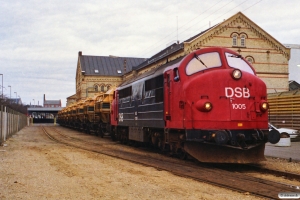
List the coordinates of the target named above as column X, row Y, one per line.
column 292, row 151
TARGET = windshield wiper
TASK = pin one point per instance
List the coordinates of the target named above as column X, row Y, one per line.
column 199, row 60
column 235, row 56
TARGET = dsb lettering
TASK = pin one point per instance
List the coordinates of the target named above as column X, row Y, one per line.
column 237, row 92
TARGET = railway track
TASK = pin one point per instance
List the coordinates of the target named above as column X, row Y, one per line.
column 219, row 176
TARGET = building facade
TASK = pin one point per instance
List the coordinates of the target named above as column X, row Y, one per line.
column 96, row 74
column 51, row 103
column 269, row 57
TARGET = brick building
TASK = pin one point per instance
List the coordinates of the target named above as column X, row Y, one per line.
column 51, row 103
column 98, row 73
column 269, row 57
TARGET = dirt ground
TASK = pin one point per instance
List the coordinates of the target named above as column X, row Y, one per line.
column 34, row 167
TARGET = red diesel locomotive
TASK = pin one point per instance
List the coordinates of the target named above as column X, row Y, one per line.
column 209, row 104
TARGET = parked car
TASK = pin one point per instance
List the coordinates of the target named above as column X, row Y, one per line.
column 291, row 132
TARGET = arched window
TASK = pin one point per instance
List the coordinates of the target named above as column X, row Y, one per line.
column 96, row 88
column 243, row 40
column 102, row 88
column 108, row 86
column 250, row 59
column 234, row 40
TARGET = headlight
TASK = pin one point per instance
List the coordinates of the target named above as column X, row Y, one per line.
column 264, row 106
column 208, row 106
column 204, row 105
column 236, row 74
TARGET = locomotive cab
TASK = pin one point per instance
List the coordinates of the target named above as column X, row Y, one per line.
column 221, row 103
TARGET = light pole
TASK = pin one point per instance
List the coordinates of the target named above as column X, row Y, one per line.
column 9, row 92
column 33, row 102
column 2, row 85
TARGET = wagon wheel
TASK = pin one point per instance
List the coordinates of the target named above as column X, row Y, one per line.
column 88, row 131
column 96, row 131
column 102, row 130
column 86, row 128
column 101, row 133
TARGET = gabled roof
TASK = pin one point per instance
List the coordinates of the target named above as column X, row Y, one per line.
column 107, row 65
column 211, row 32
column 152, row 71
column 160, row 55
column 199, row 34
column 74, row 96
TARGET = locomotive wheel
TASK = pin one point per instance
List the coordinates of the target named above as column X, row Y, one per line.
column 161, row 144
column 182, row 154
column 101, row 133
column 154, row 141
column 113, row 137
column 87, row 128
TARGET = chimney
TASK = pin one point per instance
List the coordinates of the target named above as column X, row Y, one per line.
column 80, row 53
column 125, row 65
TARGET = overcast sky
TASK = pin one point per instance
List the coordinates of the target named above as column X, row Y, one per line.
column 40, row 40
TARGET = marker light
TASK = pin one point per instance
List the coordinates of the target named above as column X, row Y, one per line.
column 264, row 106
column 204, row 105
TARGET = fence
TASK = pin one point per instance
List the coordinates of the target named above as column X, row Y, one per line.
column 10, row 122
column 285, row 109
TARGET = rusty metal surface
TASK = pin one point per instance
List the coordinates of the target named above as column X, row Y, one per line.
column 220, row 154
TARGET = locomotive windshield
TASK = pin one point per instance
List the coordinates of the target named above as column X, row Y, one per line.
column 202, row 62
column 235, row 61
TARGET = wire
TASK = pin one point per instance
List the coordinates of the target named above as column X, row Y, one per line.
column 179, row 28
column 155, row 45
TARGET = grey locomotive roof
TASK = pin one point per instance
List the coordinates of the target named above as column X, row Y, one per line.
column 107, row 65
column 153, row 72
